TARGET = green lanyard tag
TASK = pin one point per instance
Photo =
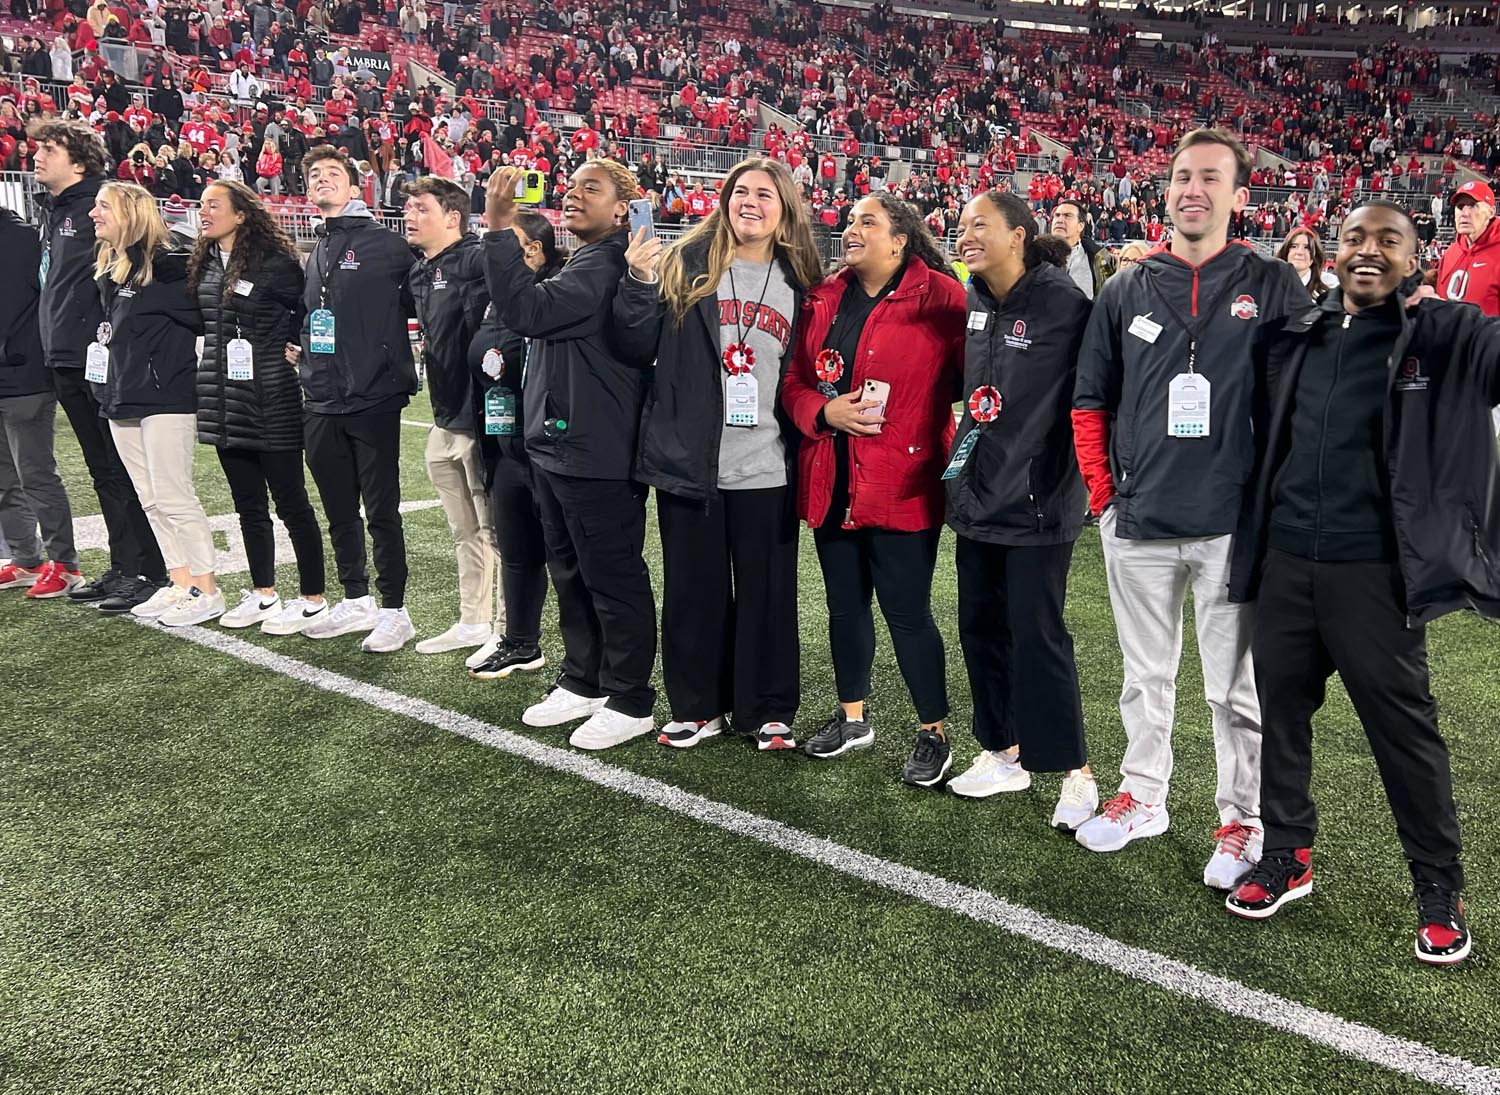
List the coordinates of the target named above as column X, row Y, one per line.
column 499, row 413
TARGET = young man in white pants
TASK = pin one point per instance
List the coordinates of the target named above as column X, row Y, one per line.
column 448, row 286
column 1166, row 381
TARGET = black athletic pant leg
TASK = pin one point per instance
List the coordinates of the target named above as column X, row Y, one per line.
column 767, row 660
column 698, row 611
column 330, row 458
column 376, row 440
column 521, row 544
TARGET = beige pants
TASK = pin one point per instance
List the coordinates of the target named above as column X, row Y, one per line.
column 453, row 465
column 157, row 451
column 1148, row 585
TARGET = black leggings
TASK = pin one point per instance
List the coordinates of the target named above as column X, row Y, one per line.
column 250, row 473
column 518, row 538
column 898, row 567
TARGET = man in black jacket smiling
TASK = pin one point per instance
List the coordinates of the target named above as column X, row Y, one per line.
column 357, row 375
column 1377, row 508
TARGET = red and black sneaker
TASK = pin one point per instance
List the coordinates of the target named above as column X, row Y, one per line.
column 1442, row 936
column 1278, row 877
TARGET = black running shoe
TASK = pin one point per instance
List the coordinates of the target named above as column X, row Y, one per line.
column 507, row 659
column 1442, row 935
column 839, row 735
column 1279, row 877
column 929, row 761
column 99, row 589
column 128, row 593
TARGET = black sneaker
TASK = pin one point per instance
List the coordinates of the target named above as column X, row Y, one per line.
column 1279, row 877
column 773, row 736
column 128, row 593
column 507, row 659
column 839, row 735
column 929, row 761
column 99, row 589
column 1442, row 936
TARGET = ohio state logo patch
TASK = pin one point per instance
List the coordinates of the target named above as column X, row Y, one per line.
column 1244, row 307
column 1019, row 330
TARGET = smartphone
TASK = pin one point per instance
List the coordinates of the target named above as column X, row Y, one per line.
column 640, row 217
column 879, row 391
column 531, row 188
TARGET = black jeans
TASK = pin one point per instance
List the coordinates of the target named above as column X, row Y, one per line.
column 1019, row 653
column 596, row 530
column 729, row 607
column 519, row 540
column 132, row 545
column 250, row 474
column 1315, row 618
column 896, row 566
column 354, row 456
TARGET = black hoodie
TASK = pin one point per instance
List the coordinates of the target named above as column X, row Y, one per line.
column 451, row 296
column 23, row 370
column 69, row 310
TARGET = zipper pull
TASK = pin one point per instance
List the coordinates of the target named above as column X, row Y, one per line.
column 1347, row 318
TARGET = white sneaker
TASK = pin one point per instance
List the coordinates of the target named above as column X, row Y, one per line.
column 606, row 728
column 482, row 655
column 196, row 608
column 295, row 617
column 457, row 637
column 393, row 630
column 251, row 610
column 345, row 618
column 1077, row 803
column 1122, row 820
column 159, row 602
column 685, row 735
column 1236, row 853
column 991, row 773
column 559, row 707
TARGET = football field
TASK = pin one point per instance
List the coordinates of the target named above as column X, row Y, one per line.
column 236, row 863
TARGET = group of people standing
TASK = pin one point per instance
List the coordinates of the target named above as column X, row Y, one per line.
column 1186, row 406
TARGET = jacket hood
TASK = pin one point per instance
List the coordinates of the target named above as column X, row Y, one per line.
column 356, row 210
column 1038, row 277
column 466, row 242
column 83, row 191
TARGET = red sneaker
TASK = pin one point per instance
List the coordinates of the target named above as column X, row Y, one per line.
column 14, row 577
column 54, row 580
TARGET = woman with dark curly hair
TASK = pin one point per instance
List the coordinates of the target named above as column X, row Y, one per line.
column 879, row 362
column 248, row 283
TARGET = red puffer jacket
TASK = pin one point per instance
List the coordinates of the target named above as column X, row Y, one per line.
column 914, row 341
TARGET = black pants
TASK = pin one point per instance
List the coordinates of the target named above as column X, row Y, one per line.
column 595, row 531
column 250, row 474
column 132, row 545
column 354, row 457
column 1315, row 618
column 519, row 540
column 896, row 566
column 729, row 607
column 1019, row 653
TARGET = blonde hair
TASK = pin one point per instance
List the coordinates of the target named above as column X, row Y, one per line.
column 1134, row 250
column 794, row 241
column 140, row 226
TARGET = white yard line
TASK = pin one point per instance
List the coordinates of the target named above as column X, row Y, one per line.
column 1322, row 1028
column 416, row 424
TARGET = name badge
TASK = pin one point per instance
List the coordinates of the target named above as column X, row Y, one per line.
column 96, row 363
column 741, row 400
column 1188, row 399
column 320, row 329
column 242, row 288
column 1145, row 328
column 499, row 413
column 240, row 359
column 961, row 454
column 978, row 321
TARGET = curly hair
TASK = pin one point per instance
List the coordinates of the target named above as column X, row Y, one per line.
column 907, row 221
column 84, row 146
column 259, row 237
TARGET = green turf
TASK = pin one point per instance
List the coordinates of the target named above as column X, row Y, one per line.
column 299, row 767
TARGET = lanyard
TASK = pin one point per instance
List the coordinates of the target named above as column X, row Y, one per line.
column 1192, row 330
column 738, row 358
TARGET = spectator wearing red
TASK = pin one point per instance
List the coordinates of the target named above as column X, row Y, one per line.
column 1460, row 276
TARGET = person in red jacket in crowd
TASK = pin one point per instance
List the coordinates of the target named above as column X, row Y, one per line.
column 879, row 363
column 1460, row 276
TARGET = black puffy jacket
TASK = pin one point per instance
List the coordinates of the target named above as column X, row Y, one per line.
column 683, row 416
column 23, row 371
column 153, row 353
column 451, row 297
column 359, row 271
column 1020, row 484
column 264, row 307
column 70, row 310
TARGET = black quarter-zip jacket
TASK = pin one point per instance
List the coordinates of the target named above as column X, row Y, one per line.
column 69, row 310
column 153, row 346
column 1020, row 485
column 451, row 295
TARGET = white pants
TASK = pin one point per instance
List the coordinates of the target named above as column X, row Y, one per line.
column 453, row 465
column 157, row 451
column 1148, row 584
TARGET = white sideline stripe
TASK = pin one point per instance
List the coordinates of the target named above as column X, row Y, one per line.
column 418, row 425
column 1351, row 1039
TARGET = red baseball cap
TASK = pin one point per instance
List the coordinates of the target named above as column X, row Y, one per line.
column 1479, row 191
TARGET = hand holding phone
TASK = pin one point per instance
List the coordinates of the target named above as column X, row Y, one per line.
column 640, row 218
column 875, row 395
column 852, row 414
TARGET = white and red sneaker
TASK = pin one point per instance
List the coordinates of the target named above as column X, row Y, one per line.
column 684, row 734
column 1237, row 849
column 1122, row 820
column 55, row 580
column 18, row 577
